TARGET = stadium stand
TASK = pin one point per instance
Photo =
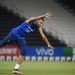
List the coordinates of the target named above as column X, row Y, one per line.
column 68, row 4
column 9, row 20
column 62, row 25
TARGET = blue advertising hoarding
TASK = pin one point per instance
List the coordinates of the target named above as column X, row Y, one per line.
column 43, row 51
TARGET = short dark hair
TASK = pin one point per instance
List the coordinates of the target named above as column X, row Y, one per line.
column 42, row 19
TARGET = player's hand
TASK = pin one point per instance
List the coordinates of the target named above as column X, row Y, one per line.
column 49, row 46
column 48, row 14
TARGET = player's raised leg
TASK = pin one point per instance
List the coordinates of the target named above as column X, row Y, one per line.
column 10, row 37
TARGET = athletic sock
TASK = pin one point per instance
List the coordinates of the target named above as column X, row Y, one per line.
column 17, row 66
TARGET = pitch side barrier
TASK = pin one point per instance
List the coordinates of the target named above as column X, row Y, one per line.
column 38, row 53
column 44, row 53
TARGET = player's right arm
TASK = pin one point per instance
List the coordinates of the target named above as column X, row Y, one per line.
column 45, row 38
column 47, row 15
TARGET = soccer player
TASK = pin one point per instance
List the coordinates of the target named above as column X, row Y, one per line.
column 18, row 34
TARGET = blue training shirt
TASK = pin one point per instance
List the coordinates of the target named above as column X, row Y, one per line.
column 24, row 28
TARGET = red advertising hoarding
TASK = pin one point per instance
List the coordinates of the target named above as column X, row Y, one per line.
column 9, row 51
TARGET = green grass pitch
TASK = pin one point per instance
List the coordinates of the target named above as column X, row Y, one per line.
column 39, row 68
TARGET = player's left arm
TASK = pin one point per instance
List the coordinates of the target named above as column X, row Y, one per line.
column 44, row 38
column 46, row 15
